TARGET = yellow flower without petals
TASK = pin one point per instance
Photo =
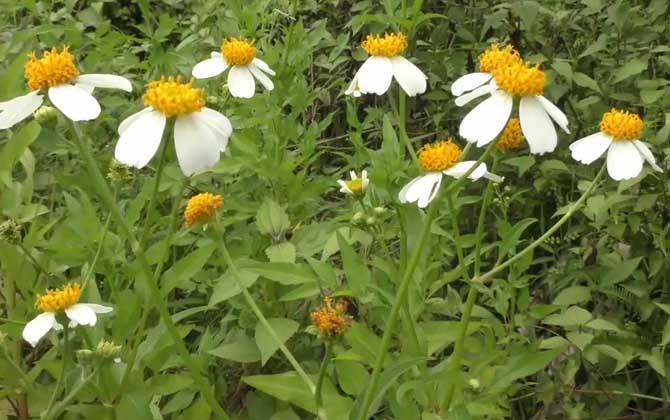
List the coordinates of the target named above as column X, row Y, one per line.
column 201, row 208
column 511, row 137
column 331, row 320
column 621, row 125
column 390, row 45
column 439, row 156
column 520, row 80
column 57, row 300
column 174, row 98
column 494, row 58
column 52, row 69
column 238, row 52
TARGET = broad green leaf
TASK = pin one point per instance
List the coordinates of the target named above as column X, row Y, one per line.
column 271, row 218
column 180, row 274
column 583, row 80
column 242, row 350
column 228, row 286
column 522, row 365
column 351, row 376
column 355, row 269
column 282, row 252
column 15, row 147
column 283, row 273
column 573, row 295
column 511, row 238
column 629, row 69
column 573, row 316
column 621, row 271
column 363, row 342
column 283, row 327
column 167, row 384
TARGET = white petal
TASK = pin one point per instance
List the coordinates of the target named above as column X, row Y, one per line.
column 555, row 113
column 82, row 314
column 17, row 109
column 590, row 148
column 140, row 139
column 624, row 160
column 421, row 189
column 88, row 88
column 196, row 144
column 647, row 155
column 410, row 78
column 375, row 75
column 353, row 89
column 480, row 91
column 209, row 68
column 460, row 168
column 129, row 120
column 343, row 187
column 74, row 102
column 38, row 327
column 109, row 81
column 537, row 126
column 99, row 309
column 261, row 77
column 487, row 119
column 469, row 82
column 263, row 66
column 241, row 82
column 215, row 54
column 219, row 123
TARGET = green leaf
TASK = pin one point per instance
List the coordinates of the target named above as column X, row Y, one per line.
column 242, row 350
column 167, row 384
column 283, row 273
column 621, row 271
column 522, row 163
column 351, row 376
column 283, row 327
column 583, row 80
column 390, row 144
column 573, row 316
column 631, row 68
column 355, row 269
column 180, row 274
column 572, row 295
column 511, row 238
column 15, row 147
column 272, row 219
column 522, row 365
column 363, row 342
column 282, row 252
column 227, row 285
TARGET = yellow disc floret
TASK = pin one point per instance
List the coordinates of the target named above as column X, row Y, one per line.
column 439, row 156
column 238, row 51
column 494, row 58
column 511, row 137
column 54, row 68
column 520, row 80
column 355, row 185
column 174, row 98
column 389, row 45
column 621, row 125
column 201, row 208
column 331, row 320
column 57, row 300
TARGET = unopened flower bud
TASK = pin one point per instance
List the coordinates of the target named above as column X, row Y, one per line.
column 85, row 357
column 370, row 220
column 3, row 338
column 10, row 231
column 118, row 172
column 107, row 350
column 358, row 217
column 474, row 383
column 45, row 114
column 379, row 210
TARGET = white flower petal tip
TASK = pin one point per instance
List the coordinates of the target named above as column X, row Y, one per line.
column 74, row 102
column 81, row 314
column 624, row 160
column 209, row 68
column 358, row 188
column 469, row 82
column 590, row 148
column 263, row 66
column 261, row 77
column 197, row 142
column 485, row 121
column 16, row 110
column 106, row 81
column 410, row 78
column 241, row 82
column 644, row 150
column 375, row 75
column 494, row 178
column 555, row 113
column 141, row 134
column 421, row 190
column 537, row 126
column 476, row 93
column 38, row 327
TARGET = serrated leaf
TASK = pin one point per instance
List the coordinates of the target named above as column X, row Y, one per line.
column 271, row 218
column 282, row 252
column 573, row 316
column 284, row 329
column 573, row 295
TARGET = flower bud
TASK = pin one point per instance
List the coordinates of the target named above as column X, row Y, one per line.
column 474, row 383
column 85, row 357
column 45, row 114
column 10, row 231
column 358, row 217
column 371, row 221
column 379, row 210
column 107, row 350
column 118, row 172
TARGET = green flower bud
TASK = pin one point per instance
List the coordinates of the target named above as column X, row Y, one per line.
column 3, row 338
column 107, row 350
column 45, row 114
column 371, row 221
column 358, row 217
column 10, row 231
column 474, row 383
column 379, row 210
column 85, row 357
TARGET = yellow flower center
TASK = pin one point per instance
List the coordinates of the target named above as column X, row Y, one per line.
column 389, row 45
column 621, row 125
column 439, row 156
column 331, row 320
column 174, row 98
column 520, row 79
column 238, row 52
column 355, row 185
column 201, row 208
column 494, row 58
column 511, row 137
column 59, row 299
column 52, row 69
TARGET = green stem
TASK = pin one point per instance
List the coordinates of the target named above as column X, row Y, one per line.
column 69, row 397
column 402, row 124
column 457, row 237
column 156, row 297
column 61, row 379
column 401, row 294
column 322, row 374
column 487, row 276
column 259, row 314
column 151, row 211
column 91, row 268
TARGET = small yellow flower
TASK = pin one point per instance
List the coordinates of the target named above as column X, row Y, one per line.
column 174, row 98
column 331, row 320
column 238, row 52
column 621, row 125
column 58, row 300
column 511, row 137
column 52, row 69
column 356, row 185
column 439, row 156
column 390, row 45
column 495, row 58
column 520, row 80
column 202, row 208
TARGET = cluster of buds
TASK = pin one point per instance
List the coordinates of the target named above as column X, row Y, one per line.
column 104, row 352
column 369, row 218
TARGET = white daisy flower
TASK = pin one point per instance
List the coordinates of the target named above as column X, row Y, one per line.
column 200, row 133
column 240, row 56
column 64, row 300
column 384, row 64
column 437, row 160
column 356, row 185
column 68, row 91
column 483, row 124
column 619, row 135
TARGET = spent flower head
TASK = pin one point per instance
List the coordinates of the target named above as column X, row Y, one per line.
column 331, row 319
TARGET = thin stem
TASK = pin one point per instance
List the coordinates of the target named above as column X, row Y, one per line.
column 69, row 397
column 259, row 314
column 457, row 237
column 61, row 379
column 151, row 211
column 155, row 294
column 91, row 268
column 322, row 374
column 539, row 241
column 402, row 124
column 488, row 194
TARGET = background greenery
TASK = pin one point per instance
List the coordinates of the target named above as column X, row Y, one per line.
column 578, row 331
